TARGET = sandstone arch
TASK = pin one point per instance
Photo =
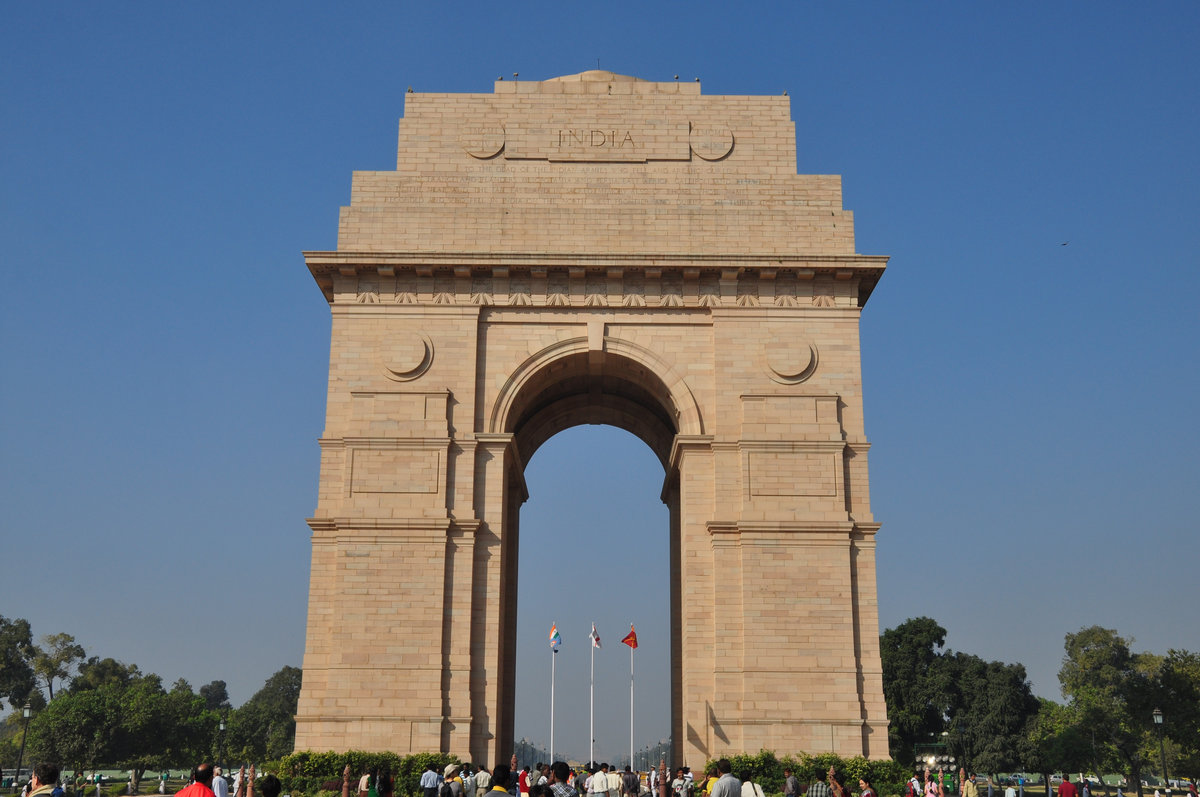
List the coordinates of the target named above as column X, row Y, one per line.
column 594, row 249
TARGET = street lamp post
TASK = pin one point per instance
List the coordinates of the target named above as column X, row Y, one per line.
column 1162, row 755
column 221, row 745
column 25, row 712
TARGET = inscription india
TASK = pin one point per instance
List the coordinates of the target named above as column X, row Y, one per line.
column 595, row 138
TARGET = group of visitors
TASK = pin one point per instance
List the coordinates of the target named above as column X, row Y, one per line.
column 205, row 781
column 719, row 781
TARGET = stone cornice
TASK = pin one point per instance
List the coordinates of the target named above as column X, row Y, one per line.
column 723, row 276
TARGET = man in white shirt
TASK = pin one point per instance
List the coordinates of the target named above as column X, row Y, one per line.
column 220, row 786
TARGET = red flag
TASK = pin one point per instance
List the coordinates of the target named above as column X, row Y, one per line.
column 630, row 638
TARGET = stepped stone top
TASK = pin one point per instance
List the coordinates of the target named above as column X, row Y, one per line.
column 597, row 81
column 595, row 75
column 597, row 170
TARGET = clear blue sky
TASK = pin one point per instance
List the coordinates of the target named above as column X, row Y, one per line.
column 1032, row 406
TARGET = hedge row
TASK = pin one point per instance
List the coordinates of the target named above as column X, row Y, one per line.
column 310, row 773
column 764, row 768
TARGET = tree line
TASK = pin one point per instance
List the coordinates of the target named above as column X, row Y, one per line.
column 89, row 712
column 985, row 714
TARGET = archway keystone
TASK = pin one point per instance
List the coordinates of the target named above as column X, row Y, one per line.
column 668, row 273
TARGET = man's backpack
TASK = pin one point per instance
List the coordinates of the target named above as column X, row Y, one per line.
column 445, row 790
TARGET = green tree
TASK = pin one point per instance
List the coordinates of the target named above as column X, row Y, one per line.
column 916, row 685
column 1111, row 690
column 76, row 728
column 265, row 726
column 132, row 725
column 1053, row 741
column 55, row 658
column 96, row 672
column 16, row 673
column 991, row 704
column 216, row 696
column 1177, row 693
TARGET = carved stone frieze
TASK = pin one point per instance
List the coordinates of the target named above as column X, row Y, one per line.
column 574, row 286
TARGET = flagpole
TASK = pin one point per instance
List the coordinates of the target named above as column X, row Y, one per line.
column 592, row 707
column 553, row 659
column 631, row 707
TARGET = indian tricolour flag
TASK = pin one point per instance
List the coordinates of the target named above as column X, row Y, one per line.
column 555, row 639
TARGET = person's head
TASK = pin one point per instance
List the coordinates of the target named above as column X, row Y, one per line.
column 450, row 771
column 787, row 772
column 204, row 774
column 46, row 773
column 270, row 786
column 864, row 783
column 500, row 776
column 383, row 781
column 724, row 767
column 560, row 772
column 604, row 767
column 540, row 790
column 216, row 772
column 744, row 776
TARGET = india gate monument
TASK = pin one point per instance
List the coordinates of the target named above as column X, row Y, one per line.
column 594, row 249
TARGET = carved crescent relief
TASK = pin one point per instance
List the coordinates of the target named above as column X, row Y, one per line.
column 406, row 360
column 483, row 141
column 710, row 142
column 791, row 362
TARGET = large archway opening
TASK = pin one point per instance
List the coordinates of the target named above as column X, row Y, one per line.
column 600, row 547
column 594, row 549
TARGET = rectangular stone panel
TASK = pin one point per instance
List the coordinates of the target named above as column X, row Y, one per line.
column 793, row 473
column 401, row 414
column 395, row 471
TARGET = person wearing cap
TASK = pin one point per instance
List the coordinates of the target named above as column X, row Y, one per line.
column 451, row 779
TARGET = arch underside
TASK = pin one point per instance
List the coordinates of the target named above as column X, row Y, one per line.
column 580, row 389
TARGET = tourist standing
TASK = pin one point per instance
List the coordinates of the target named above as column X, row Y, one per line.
column 560, row 780
column 453, row 781
column 201, row 786
column 43, row 780
column 727, row 785
column 483, row 780
column 429, row 781
column 791, row 786
column 631, row 786
column 749, row 787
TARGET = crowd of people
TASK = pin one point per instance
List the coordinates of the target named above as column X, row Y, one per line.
column 559, row 780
